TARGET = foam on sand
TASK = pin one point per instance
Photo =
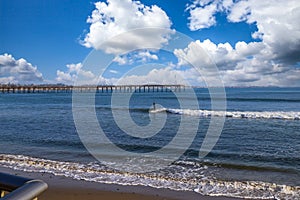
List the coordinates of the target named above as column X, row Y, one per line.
column 198, row 182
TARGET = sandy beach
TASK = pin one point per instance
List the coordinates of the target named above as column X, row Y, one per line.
column 60, row 188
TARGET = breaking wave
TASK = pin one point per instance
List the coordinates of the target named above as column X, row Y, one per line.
column 180, row 176
column 236, row 114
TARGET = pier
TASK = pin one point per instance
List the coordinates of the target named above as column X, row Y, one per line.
column 90, row 88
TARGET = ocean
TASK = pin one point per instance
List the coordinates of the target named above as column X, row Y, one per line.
column 256, row 156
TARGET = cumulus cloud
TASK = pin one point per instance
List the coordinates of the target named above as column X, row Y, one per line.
column 18, row 71
column 245, row 64
column 277, row 24
column 146, row 55
column 139, row 56
column 162, row 76
column 203, row 16
column 276, row 21
column 272, row 61
column 115, row 17
column 167, row 75
column 70, row 76
column 223, row 54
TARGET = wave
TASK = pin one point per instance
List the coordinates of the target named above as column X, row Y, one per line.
column 238, row 114
column 284, row 115
column 158, row 110
column 181, row 176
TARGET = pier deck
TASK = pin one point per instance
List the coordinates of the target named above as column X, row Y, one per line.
column 98, row 88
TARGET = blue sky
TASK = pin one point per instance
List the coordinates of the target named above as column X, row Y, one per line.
column 44, row 32
column 253, row 43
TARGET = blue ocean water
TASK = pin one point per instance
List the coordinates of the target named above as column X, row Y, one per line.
column 257, row 154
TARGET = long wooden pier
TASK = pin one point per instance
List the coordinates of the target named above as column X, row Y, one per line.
column 97, row 88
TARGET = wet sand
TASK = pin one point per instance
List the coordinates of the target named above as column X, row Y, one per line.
column 63, row 188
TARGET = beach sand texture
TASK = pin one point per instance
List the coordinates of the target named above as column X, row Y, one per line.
column 63, row 188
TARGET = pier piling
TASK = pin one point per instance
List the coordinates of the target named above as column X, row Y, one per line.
column 98, row 88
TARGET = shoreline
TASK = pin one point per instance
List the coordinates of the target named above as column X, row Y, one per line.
column 61, row 187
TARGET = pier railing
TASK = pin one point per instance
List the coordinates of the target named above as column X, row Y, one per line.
column 16, row 187
column 90, row 88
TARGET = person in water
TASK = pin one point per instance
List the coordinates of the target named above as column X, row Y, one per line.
column 154, row 108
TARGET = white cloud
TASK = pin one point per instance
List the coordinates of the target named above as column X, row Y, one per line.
column 139, row 56
column 167, row 75
column 241, row 65
column 238, row 77
column 277, row 22
column 271, row 61
column 202, row 12
column 239, row 11
column 74, row 71
column 18, row 71
column 202, row 17
column 156, row 76
column 115, row 17
column 146, row 55
column 113, row 71
column 121, row 60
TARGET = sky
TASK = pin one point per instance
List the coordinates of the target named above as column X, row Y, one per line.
column 242, row 42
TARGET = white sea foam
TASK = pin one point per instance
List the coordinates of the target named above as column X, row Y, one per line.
column 239, row 114
column 183, row 179
column 158, row 110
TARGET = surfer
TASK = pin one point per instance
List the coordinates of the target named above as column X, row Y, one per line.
column 154, row 106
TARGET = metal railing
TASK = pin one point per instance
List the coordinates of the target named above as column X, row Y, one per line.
column 19, row 188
